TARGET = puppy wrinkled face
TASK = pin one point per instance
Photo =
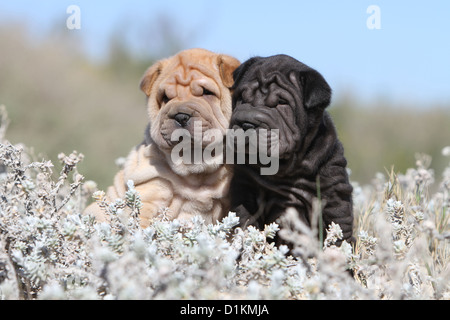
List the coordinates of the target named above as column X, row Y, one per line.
column 267, row 98
column 189, row 104
column 187, row 97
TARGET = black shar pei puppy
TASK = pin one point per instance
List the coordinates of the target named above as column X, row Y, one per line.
column 279, row 92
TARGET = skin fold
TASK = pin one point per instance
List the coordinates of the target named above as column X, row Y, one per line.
column 282, row 93
column 192, row 87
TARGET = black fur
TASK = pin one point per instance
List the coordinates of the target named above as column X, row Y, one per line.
column 282, row 93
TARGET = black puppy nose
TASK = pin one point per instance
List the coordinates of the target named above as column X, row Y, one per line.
column 182, row 119
column 247, row 125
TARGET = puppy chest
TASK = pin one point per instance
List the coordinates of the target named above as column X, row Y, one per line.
column 196, row 201
column 184, row 207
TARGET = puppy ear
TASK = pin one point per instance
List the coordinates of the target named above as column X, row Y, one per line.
column 150, row 77
column 316, row 91
column 227, row 65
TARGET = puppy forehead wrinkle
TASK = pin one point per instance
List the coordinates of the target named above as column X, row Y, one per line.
column 197, row 85
column 210, row 70
column 294, row 80
column 180, row 84
column 204, row 64
column 272, row 88
column 186, row 75
column 277, row 78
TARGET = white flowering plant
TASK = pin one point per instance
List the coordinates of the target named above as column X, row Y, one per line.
column 50, row 250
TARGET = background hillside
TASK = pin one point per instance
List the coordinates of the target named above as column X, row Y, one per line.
column 60, row 100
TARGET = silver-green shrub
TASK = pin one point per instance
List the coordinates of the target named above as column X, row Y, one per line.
column 50, row 250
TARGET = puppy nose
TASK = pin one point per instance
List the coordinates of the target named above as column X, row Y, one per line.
column 182, row 119
column 247, row 126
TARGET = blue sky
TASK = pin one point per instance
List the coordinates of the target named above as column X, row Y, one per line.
column 407, row 60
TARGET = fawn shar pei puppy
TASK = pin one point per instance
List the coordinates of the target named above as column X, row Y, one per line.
column 189, row 91
column 282, row 93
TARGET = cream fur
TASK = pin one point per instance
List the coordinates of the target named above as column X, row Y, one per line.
column 186, row 190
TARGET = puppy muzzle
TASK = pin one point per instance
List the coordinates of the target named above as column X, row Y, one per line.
column 182, row 119
column 247, row 117
column 192, row 119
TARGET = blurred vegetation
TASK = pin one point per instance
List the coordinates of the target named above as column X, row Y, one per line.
column 59, row 101
column 381, row 136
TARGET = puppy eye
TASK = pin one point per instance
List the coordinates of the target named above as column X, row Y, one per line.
column 282, row 101
column 207, row 92
column 165, row 99
column 245, row 96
